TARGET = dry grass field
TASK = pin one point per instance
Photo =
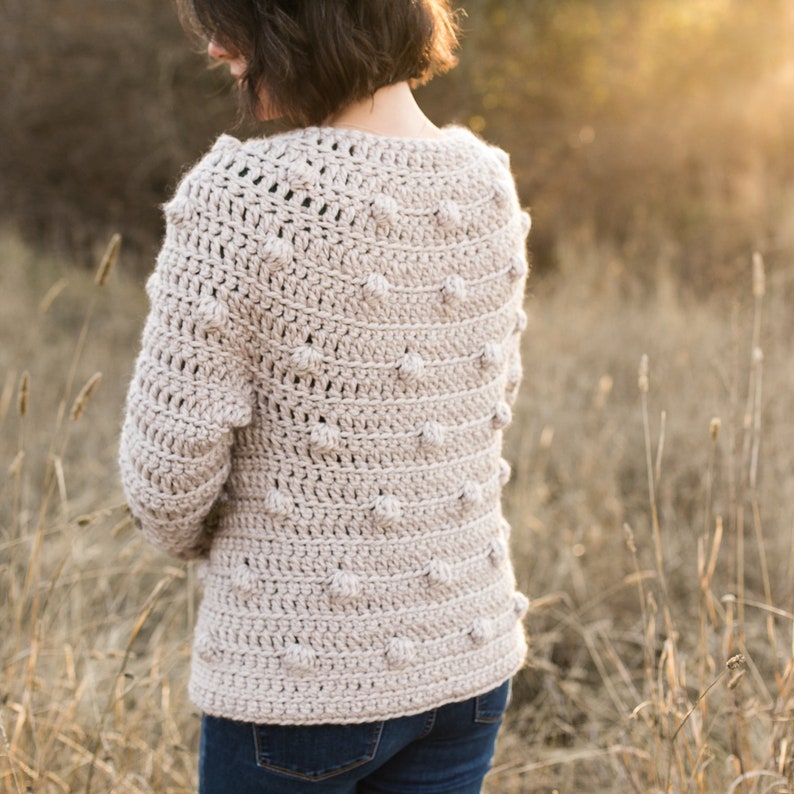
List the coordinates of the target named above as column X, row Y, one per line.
column 653, row 513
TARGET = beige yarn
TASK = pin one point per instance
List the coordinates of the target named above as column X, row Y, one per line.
column 318, row 406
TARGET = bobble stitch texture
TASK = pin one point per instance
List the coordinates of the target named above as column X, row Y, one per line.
column 177, row 211
column 207, row 649
column 400, row 652
column 453, row 291
column 385, row 211
column 502, row 416
column 518, row 268
column 520, row 605
column 501, row 195
column 497, row 552
column 306, row 360
column 471, row 494
column 315, row 411
column 299, row 659
column 504, row 472
column 387, row 510
column 326, row 438
column 345, row 586
column 245, row 580
column 448, row 215
column 481, row 631
column 278, row 503
column 439, row 572
column 375, row 288
column 301, row 176
column 213, row 315
column 278, row 253
column 491, row 356
column 234, row 411
column 411, row 368
column 432, row 434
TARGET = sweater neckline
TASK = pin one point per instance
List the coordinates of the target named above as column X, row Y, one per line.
column 454, row 146
column 448, row 133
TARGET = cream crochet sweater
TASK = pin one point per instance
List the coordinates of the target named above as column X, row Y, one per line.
column 317, row 409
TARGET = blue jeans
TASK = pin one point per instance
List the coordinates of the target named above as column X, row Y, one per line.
column 448, row 749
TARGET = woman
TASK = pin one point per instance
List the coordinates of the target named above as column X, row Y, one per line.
column 317, row 410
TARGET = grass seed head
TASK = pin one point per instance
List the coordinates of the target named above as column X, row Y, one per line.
column 45, row 304
column 108, row 260
column 714, row 428
column 24, row 393
column 736, row 662
column 629, row 536
column 81, row 401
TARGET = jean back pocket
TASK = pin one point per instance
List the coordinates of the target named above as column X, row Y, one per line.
column 316, row 752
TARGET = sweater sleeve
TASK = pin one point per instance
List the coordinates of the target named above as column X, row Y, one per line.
column 190, row 387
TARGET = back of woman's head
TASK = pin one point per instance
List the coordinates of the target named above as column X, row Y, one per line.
column 312, row 58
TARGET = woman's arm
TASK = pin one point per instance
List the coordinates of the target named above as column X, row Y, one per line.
column 190, row 389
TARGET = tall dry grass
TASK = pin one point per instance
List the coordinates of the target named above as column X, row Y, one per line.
column 651, row 505
column 654, row 479
column 95, row 626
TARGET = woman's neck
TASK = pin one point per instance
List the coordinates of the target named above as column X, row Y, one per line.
column 391, row 111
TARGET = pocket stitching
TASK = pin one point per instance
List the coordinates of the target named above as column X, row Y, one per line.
column 376, row 731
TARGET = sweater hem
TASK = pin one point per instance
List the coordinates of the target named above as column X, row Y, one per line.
column 203, row 699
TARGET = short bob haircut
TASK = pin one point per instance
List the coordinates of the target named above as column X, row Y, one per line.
column 312, row 58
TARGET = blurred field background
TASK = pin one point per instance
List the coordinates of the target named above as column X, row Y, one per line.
column 653, row 511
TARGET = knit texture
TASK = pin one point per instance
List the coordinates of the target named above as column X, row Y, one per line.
column 318, row 406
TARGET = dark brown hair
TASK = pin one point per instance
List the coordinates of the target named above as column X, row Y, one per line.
column 312, row 58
